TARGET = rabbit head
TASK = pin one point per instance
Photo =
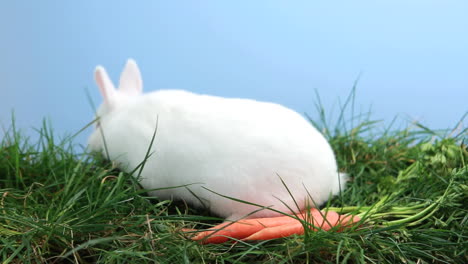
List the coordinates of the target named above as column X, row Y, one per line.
column 130, row 88
column 130, row 85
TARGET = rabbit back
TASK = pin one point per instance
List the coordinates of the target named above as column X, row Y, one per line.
column 239, row 148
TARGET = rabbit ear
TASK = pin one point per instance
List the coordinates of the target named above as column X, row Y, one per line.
column 130, row 79
column 104, row 83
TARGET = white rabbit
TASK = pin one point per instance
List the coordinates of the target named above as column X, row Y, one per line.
column 236, row 147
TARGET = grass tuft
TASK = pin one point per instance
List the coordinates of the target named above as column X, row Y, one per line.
column 410, row 186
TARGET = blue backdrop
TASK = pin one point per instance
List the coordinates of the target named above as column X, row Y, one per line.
column 413, row 55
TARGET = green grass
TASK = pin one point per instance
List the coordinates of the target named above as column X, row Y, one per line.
column 410, row 185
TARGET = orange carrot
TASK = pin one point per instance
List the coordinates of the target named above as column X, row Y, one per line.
column 240, row 229
column 273, row 227
column 278, row 231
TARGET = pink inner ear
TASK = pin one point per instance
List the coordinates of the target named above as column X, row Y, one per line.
column 100, row 84
column 105, row 84
column 130, row 79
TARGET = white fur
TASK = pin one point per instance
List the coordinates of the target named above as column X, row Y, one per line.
column 235, row 147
